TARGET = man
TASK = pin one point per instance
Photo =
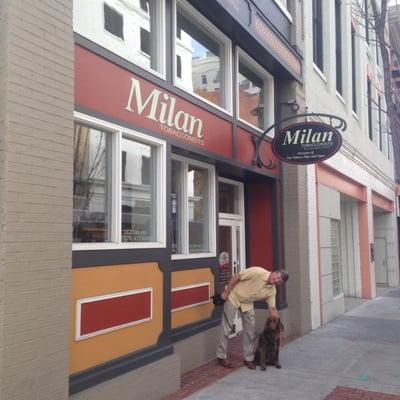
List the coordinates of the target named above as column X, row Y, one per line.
column 243, row 289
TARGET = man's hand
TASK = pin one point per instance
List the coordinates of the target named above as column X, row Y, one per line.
column 224, row 295
column 272, row 312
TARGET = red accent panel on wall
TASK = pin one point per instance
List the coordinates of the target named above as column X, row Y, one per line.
column 189, row 296
column 108, row 313
column 106, row 88
column 246, row 152
column 259, row 220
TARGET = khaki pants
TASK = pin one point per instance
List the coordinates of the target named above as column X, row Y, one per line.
column 249, row 334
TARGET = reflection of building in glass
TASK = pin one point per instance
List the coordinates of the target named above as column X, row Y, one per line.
column 91, row 216
column 251, row 98
column 125, row 26
column 198, row 62
column 207, row 77
column 137, row 223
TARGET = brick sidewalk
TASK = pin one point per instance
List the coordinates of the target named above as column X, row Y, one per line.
column 347, row 393
column 207, row 374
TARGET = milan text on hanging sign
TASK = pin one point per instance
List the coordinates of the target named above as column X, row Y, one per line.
column 306, row 143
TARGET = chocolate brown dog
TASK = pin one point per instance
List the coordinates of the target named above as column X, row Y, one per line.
column 269, row 343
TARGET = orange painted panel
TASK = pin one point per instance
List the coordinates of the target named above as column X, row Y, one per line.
column 382, row 202
column 328, row 177
column 197, row 313
column 103, row 281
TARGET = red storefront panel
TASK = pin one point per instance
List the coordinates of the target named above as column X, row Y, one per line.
column 104, row 314
column 186, row 297
column 260, row 224
column 107, row 88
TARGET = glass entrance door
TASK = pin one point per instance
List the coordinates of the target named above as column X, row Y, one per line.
column 231, row 255
column 231, row 240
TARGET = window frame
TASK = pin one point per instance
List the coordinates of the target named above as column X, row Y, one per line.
column 184, row 221
column 117, row 133
column 160, row 35
column 269, row 89
column 227, row 61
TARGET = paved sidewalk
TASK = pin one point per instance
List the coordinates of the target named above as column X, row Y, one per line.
column 357, row 356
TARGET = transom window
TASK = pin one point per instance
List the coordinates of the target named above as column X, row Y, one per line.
column 119, row 188
column 203, row 57
column 134, row 30
column 255, row 93
column 192, row 208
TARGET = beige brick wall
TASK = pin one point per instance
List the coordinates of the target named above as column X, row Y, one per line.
column 36, row 143
column 297, row 254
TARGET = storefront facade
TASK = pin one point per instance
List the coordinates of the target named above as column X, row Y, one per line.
column 168, row 202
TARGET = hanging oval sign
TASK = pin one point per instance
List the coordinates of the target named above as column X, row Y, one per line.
column 306, row 142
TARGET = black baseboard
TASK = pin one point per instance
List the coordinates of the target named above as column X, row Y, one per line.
column 112, row 369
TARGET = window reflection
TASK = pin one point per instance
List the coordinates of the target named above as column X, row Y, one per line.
column 138, row 192
column 130, row 28
column 176, row 206
column 251, row 97
column 91, row 189
column 228, row 198
column 201, row 58
column 198, row 209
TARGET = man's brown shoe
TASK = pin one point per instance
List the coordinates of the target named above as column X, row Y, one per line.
column 249, row 364
column 224, row 363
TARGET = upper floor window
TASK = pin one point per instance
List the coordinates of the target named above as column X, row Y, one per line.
column 317, row 34
column 205, row 55
column 353, row 69
column 119, row 188
column 366, row 21
column 255, row 92
column 338, row 46
column 369, row 105
column 379, row 120
column 113, row 22
column 132, row 30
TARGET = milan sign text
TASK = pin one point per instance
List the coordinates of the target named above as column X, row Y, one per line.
column 161, row 107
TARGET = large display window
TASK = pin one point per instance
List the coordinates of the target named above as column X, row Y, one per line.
column 119, row 187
